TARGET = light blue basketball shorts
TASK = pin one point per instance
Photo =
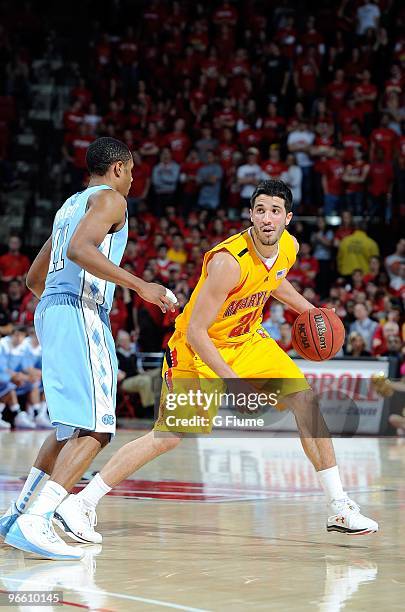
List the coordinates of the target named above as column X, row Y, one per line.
column 79, row 364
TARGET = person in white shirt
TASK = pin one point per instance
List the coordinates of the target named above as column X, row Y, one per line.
column 368, row 16
column 299, row 142
column 293, row 177
column 249, row 175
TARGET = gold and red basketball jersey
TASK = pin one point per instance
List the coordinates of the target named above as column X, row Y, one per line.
column 241, row 313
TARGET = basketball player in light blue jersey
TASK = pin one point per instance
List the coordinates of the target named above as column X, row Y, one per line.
column 75, row 274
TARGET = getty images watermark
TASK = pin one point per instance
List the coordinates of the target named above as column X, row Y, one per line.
column 205, row 406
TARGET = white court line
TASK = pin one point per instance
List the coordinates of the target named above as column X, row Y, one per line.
column 146, row 600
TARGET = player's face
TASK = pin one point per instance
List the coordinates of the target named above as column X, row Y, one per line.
column 125, row 177
column 269, row 219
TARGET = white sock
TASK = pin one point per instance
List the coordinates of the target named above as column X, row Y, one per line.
column 95, row 490
column 15, row 408
column 34, row 409
column 2, row 406
column 331, row 484
column 34, row 480
column 49, row 499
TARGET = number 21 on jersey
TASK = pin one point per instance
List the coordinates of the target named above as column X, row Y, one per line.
column 56, row 261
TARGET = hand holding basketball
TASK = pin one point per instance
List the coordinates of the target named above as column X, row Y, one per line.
column 318, row 334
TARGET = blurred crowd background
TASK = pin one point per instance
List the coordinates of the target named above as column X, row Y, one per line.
column 211, row 98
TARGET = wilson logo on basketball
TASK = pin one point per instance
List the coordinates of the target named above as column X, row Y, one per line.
column 321, row 329
column 303, row 335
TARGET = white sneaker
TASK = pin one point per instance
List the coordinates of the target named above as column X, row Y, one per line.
column 23, row 421
column 4, row 425
column 35, row 534
column 346, row 518
column 77, row 520
column 42, row 420
column 8, row 519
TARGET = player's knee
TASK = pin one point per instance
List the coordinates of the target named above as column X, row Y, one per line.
column 162, row 442
column 304, row 402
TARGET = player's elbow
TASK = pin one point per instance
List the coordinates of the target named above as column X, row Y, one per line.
column 193, row 333
column 74, row 252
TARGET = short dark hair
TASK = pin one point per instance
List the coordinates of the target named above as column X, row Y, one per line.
column 273, row 187
column 104, row 152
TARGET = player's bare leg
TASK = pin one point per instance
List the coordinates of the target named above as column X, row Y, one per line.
column 132, row 456
column 33, row 530
column 76, row 514
column 345, row 515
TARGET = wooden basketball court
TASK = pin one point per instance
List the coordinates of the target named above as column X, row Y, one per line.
column 226, row 524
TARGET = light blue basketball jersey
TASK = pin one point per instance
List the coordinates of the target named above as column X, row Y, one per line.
column 64, row 276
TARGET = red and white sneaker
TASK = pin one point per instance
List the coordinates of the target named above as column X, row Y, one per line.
column 346, row 518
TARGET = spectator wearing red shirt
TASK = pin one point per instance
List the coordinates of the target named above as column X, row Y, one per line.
column 82, row 93
column 140, row 186
column 306, row 73
column 308, row 264
column 380, row 184
column 365, row 95
column 285, row 340
column 352, row 141
column 188, row 179
column 348, row 114
column 385, row 139
column 74, row 151
column 354, row 178
column 287, row 38
column 332, row 183
column 273, row 125
column 336, row 91
column 226, row 149
column 273, row 166
column 178, row 142
column 13, row 264
column 225, row 14
column 151, row 145
column 73, row 117
column 346, row 227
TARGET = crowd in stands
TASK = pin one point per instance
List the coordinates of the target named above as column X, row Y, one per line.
column 211, row 98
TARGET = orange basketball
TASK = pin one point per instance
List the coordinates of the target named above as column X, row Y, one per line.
column 318, row 334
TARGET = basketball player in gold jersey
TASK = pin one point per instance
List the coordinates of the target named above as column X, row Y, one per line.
column 218, row 335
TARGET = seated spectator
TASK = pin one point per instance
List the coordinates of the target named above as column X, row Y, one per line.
column 299, row 142
column 15, row 295
column 346, row 227
column 14, row 359
column 322, row 241
column 177, row 253
column 381, row 334
column 209, row 178
column 374, row 268
column 14, row 264
column 285, row 340
column 132, row 376
column 394, row 262
column 273, row 323
column 308, row 264
column 363, row 325
column 356, row 346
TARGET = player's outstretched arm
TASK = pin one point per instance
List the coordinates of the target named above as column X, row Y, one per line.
column 289, row 296
column 36, row 276
column 223, row 276
column 106, row 211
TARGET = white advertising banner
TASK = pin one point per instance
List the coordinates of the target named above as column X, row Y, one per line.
column 348, row 400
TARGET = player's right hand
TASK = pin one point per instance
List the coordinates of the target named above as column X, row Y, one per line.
column 156, row 294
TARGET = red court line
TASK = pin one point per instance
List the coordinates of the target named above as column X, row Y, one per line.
column 71, row 603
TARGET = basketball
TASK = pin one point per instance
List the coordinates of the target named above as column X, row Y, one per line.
column 318, row 334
